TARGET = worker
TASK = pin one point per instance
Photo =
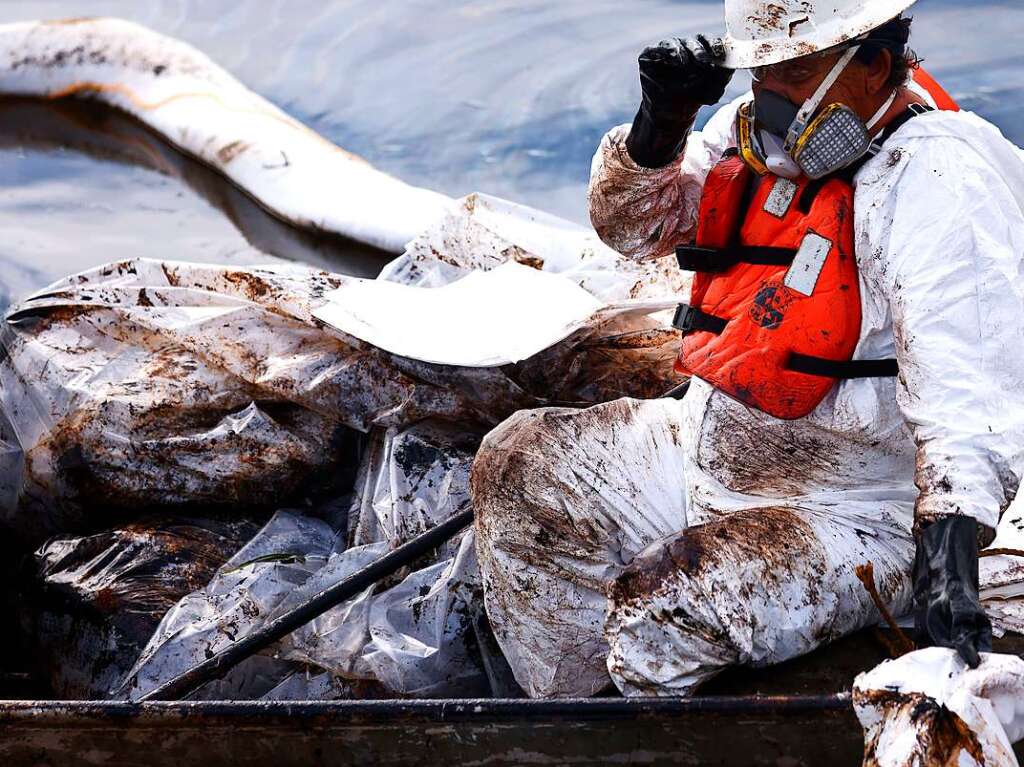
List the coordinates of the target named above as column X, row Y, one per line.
column 853, row 339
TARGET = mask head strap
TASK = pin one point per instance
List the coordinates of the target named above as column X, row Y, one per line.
column 810, row 106
column 881, row 112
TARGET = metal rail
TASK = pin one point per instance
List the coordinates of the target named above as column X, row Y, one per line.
column 44, row 713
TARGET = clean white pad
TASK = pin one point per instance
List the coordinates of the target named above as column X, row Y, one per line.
column 485, row 319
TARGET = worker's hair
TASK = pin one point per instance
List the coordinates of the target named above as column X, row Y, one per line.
column 893, row 36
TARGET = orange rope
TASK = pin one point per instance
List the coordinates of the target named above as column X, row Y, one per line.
column 903, row 644
column 1001, row 552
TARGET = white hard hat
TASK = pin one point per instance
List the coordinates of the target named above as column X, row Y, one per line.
column 762, row 32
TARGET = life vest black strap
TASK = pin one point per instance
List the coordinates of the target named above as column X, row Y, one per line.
column 816, row 366
column 714, row 260
column 908, row 114
column 689, row 319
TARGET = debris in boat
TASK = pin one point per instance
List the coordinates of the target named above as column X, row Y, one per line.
column 482, row 232
column 411, row 480
column 147, row 384
column 165, row 386
column 929, row 708
column 414, row 635
column 95, row 600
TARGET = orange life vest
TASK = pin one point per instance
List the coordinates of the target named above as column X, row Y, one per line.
column 775, row 310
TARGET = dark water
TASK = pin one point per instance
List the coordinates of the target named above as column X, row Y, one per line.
column 508, row 97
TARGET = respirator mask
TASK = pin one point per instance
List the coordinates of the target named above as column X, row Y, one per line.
column 777, row 136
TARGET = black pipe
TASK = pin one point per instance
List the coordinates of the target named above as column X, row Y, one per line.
column 283, row 625
column 677, row 392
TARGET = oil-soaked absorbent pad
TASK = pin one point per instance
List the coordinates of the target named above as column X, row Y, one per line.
column 485, row 319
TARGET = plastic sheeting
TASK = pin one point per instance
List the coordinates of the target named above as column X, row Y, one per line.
column 143, row 383
column 1001, row 578
column 124, row 390
column 929, row 708
column 197, row 106
column 96, row 600
column 417, row 634
column 482, row 232
column 411, row 480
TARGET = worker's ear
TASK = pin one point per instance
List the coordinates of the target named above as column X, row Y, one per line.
column 878, row 73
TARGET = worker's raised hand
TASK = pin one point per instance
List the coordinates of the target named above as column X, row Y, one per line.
column 677, row 74
column 947, row 609
column 677, row 78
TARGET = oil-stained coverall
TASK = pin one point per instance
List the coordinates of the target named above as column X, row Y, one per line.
column 654, row 543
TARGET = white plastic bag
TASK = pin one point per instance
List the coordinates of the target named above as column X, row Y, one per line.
column 148, row 383
column 411, row 635
column 929, row 708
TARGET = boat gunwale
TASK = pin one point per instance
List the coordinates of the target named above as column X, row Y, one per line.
column 36, row 713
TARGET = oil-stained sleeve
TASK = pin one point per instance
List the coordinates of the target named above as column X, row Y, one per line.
column 950, row 238
column 645, row 213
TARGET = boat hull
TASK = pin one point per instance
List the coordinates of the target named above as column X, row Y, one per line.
column 803, row 730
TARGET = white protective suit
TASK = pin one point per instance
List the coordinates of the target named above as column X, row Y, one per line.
column 766, row 520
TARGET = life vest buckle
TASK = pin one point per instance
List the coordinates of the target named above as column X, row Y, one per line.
column 690, row 319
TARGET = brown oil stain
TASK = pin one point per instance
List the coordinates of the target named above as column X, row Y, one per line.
column 804, row 48
column 787, row 460
column 775, row 543
column 138, row 571
column 768, row 17
column 511, row 472
column 942, row 736
column 69, row 22
column 229, row 152
column 602, row 367
column 639, row 339
column 770, row 535
column 528, row 259
column 254, row 287
column 170, row 274
column 643, row 216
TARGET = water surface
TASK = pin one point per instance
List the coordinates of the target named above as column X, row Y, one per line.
column 509, row 97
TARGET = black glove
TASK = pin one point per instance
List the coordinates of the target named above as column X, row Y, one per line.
column 947, row 611
column 677, row 78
